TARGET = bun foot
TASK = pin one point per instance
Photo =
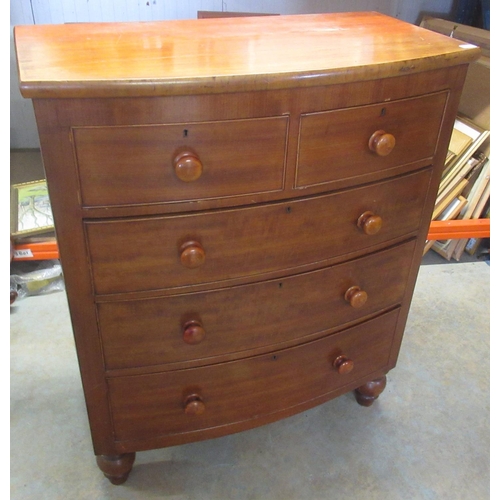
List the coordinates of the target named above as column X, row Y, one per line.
column 368, row 393
column 116, row 467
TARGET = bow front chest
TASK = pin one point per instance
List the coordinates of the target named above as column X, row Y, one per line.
column 241, row 207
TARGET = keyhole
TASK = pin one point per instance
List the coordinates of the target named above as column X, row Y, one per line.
column 382, row 113
column 185, row 132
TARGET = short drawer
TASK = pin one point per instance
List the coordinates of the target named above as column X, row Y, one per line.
column 172, row 251
column 202, row 326
column 353, row 142
column 131, row 165
column 181, row 401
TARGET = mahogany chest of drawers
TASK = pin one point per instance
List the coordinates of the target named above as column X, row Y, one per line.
column 240, row 206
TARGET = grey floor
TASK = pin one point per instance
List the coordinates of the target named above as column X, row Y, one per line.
column 427, row 437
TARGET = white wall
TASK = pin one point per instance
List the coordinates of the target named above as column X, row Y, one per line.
column 23, row 129
column 61, row 11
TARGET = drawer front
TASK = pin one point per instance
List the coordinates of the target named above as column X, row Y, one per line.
column 204, row 325
column 161, row 252
column 147, row 406
column 170, row 163
column 334, row 145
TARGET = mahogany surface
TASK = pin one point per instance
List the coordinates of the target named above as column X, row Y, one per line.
column 144, row 163
column 268, row 314
column 344, row 137
column 241, row 207
column 158, row 58
column 133, row 254
column 152, row 405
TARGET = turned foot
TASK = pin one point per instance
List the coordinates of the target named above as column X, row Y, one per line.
column 116, row 467
column 368, row 393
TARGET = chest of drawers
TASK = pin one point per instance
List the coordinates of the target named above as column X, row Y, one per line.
column 240, row 206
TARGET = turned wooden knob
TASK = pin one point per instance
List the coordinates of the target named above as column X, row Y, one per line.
column 381, row 142
column 356, row 297
column 194, row 405
column 188, row 166
column 192, row 254
column 193, row 332
column 370, row 223
column 343, row 365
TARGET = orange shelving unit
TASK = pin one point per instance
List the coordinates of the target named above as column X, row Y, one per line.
column 458, row 229
column 45, row 250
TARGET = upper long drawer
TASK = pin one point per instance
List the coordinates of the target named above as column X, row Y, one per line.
column 352, row 142
column 130, row 165
column 170, row 251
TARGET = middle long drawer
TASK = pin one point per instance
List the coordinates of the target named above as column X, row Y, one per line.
column 201, row 326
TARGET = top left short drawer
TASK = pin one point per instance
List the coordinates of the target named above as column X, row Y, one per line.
column 142, row 164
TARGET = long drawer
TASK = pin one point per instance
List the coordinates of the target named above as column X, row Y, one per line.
column 182, row 401
column 132, row 165
column 352, row 142
column 170, row 251
column 201, row 326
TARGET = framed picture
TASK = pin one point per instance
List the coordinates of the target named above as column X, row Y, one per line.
column 31, row 212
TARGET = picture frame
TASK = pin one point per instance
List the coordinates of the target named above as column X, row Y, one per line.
column 31, row 212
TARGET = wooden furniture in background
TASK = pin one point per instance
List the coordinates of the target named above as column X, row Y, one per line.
column 241, row 207
column 209, row 14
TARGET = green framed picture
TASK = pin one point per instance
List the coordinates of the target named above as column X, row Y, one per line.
column 31, row 212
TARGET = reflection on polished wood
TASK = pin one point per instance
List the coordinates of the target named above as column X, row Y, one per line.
column 232, row 54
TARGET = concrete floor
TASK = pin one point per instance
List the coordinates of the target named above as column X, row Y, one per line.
column 426, row 437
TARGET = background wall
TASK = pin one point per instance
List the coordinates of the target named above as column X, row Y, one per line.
column 22, row 122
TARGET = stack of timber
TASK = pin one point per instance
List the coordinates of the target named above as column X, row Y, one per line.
column 464, row 192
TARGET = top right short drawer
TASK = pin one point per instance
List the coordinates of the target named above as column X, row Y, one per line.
column 353, row 142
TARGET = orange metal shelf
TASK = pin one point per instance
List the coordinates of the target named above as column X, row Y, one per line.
column 45, row 250
column 458, row 229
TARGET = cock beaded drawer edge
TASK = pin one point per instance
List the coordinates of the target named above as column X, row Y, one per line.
column 241, row 207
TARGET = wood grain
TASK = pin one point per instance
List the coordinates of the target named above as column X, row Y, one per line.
column 236, row 320
column 152, row 405
column 144, row 254
column 237, row 156
column 225, row 55
column 334, row 145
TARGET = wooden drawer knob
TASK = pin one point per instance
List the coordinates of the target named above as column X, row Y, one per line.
column 194, row 405
column 193, row 332
column 370, row 223
column 188, row 166
column 343, row 365
column 356, row 297
column 381, row 142
column 192, row 254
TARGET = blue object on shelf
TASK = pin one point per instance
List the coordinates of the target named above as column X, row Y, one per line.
column 486, row 14
column 472, row 12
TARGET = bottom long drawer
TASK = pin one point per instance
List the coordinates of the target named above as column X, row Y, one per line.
column 183, row 401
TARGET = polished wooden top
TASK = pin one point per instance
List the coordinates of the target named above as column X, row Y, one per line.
column 225, row 55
